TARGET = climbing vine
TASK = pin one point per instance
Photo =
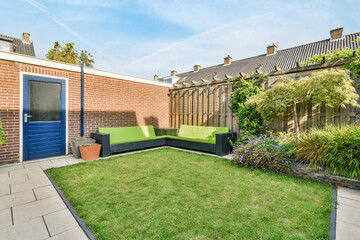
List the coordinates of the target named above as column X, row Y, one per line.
column 250, row 122
column 351, row 59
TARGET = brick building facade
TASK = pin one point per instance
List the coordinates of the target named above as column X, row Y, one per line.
column 109, row 99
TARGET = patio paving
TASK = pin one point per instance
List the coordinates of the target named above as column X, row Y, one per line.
column 348, row 214
column 31, row 208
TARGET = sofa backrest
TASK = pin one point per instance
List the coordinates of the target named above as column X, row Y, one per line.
column 128, row 133
column 201, row 132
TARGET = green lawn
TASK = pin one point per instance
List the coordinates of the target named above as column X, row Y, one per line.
column 171, row 194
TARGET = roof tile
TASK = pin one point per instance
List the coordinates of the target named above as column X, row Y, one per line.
column 285, row 59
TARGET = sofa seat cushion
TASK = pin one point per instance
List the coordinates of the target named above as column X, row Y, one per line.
column 201, row 140
column 201, row 133
column 137, row 139
column 129, row 134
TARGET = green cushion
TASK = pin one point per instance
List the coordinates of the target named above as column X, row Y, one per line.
column 202, row 140
column 137, row 139
column 203, row 134
column 129, row 134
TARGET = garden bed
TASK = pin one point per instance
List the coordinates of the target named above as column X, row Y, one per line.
column 167, row 194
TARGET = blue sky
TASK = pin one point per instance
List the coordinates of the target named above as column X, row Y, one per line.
column 143, row 37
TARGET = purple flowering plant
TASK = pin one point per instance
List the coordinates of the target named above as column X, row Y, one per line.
column 265, row 152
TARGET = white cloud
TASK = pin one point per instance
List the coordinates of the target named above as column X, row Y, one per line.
column 197, row 15
column 291, row 25
column 239, row 28
column 64, row 26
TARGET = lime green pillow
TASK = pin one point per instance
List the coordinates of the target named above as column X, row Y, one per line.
column 201, row 132
column 127, row 134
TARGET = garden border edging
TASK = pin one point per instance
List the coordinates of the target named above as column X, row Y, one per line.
column 332, row 228
column 322, row 175
column 79, row 220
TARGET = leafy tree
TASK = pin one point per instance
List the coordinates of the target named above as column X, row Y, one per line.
column 86, row 58
column 331, row 88
column 68, row 54
column 250, row 122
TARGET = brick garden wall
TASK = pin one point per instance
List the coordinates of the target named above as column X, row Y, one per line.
column 109, row 102
column 9, row 109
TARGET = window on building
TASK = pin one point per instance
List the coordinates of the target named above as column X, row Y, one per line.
column 168, row 80
column 5, row 46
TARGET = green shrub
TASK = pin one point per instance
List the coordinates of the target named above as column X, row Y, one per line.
column 334, row 147
column 265, row 153
column 311, row 147
column 3, row 135
column 250, row 122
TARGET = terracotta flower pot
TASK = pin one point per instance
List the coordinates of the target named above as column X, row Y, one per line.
column 74, row 144
column 90, row 151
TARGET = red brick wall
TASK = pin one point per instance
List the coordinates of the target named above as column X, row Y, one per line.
column 9, row 109
column 108, row 102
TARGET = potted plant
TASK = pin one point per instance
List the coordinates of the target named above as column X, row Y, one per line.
column 90, row 151
column 3, row 135
column 75, row 142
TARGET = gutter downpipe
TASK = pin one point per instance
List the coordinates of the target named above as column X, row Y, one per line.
column 82, row 102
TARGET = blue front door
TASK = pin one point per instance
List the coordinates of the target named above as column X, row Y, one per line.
column 44, row 117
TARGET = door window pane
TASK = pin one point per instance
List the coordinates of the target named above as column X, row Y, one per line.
column 45, row 101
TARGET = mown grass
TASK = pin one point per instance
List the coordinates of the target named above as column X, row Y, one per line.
column 172, row 194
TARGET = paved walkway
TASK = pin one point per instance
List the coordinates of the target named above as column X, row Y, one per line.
column 30, row 207
column 348, row 214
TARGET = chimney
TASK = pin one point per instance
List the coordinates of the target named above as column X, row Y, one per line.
column 271, row 49
column 156, row 77
column 173, row 73
column 197, row 68
column 227, row 60
column 336, row 33
column 26, row 37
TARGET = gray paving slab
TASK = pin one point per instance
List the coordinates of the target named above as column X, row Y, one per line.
column 60, row 163
column 33, row 229
column 34, row 183
column 60, row 221
column 72, row 234
column 36, row 175
column 5, row 218
column 16, row 179
column 348, row 193
column 11, row 167
column 348, row 202
column 38, row 208
column 347, row 231
column 16, row 199
column 74, row 161
column 348, row 214
column 23, row 171
column 45, row 192
column 4, row 189
column 37, row 164
column 4, row 176
column 54, row 159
